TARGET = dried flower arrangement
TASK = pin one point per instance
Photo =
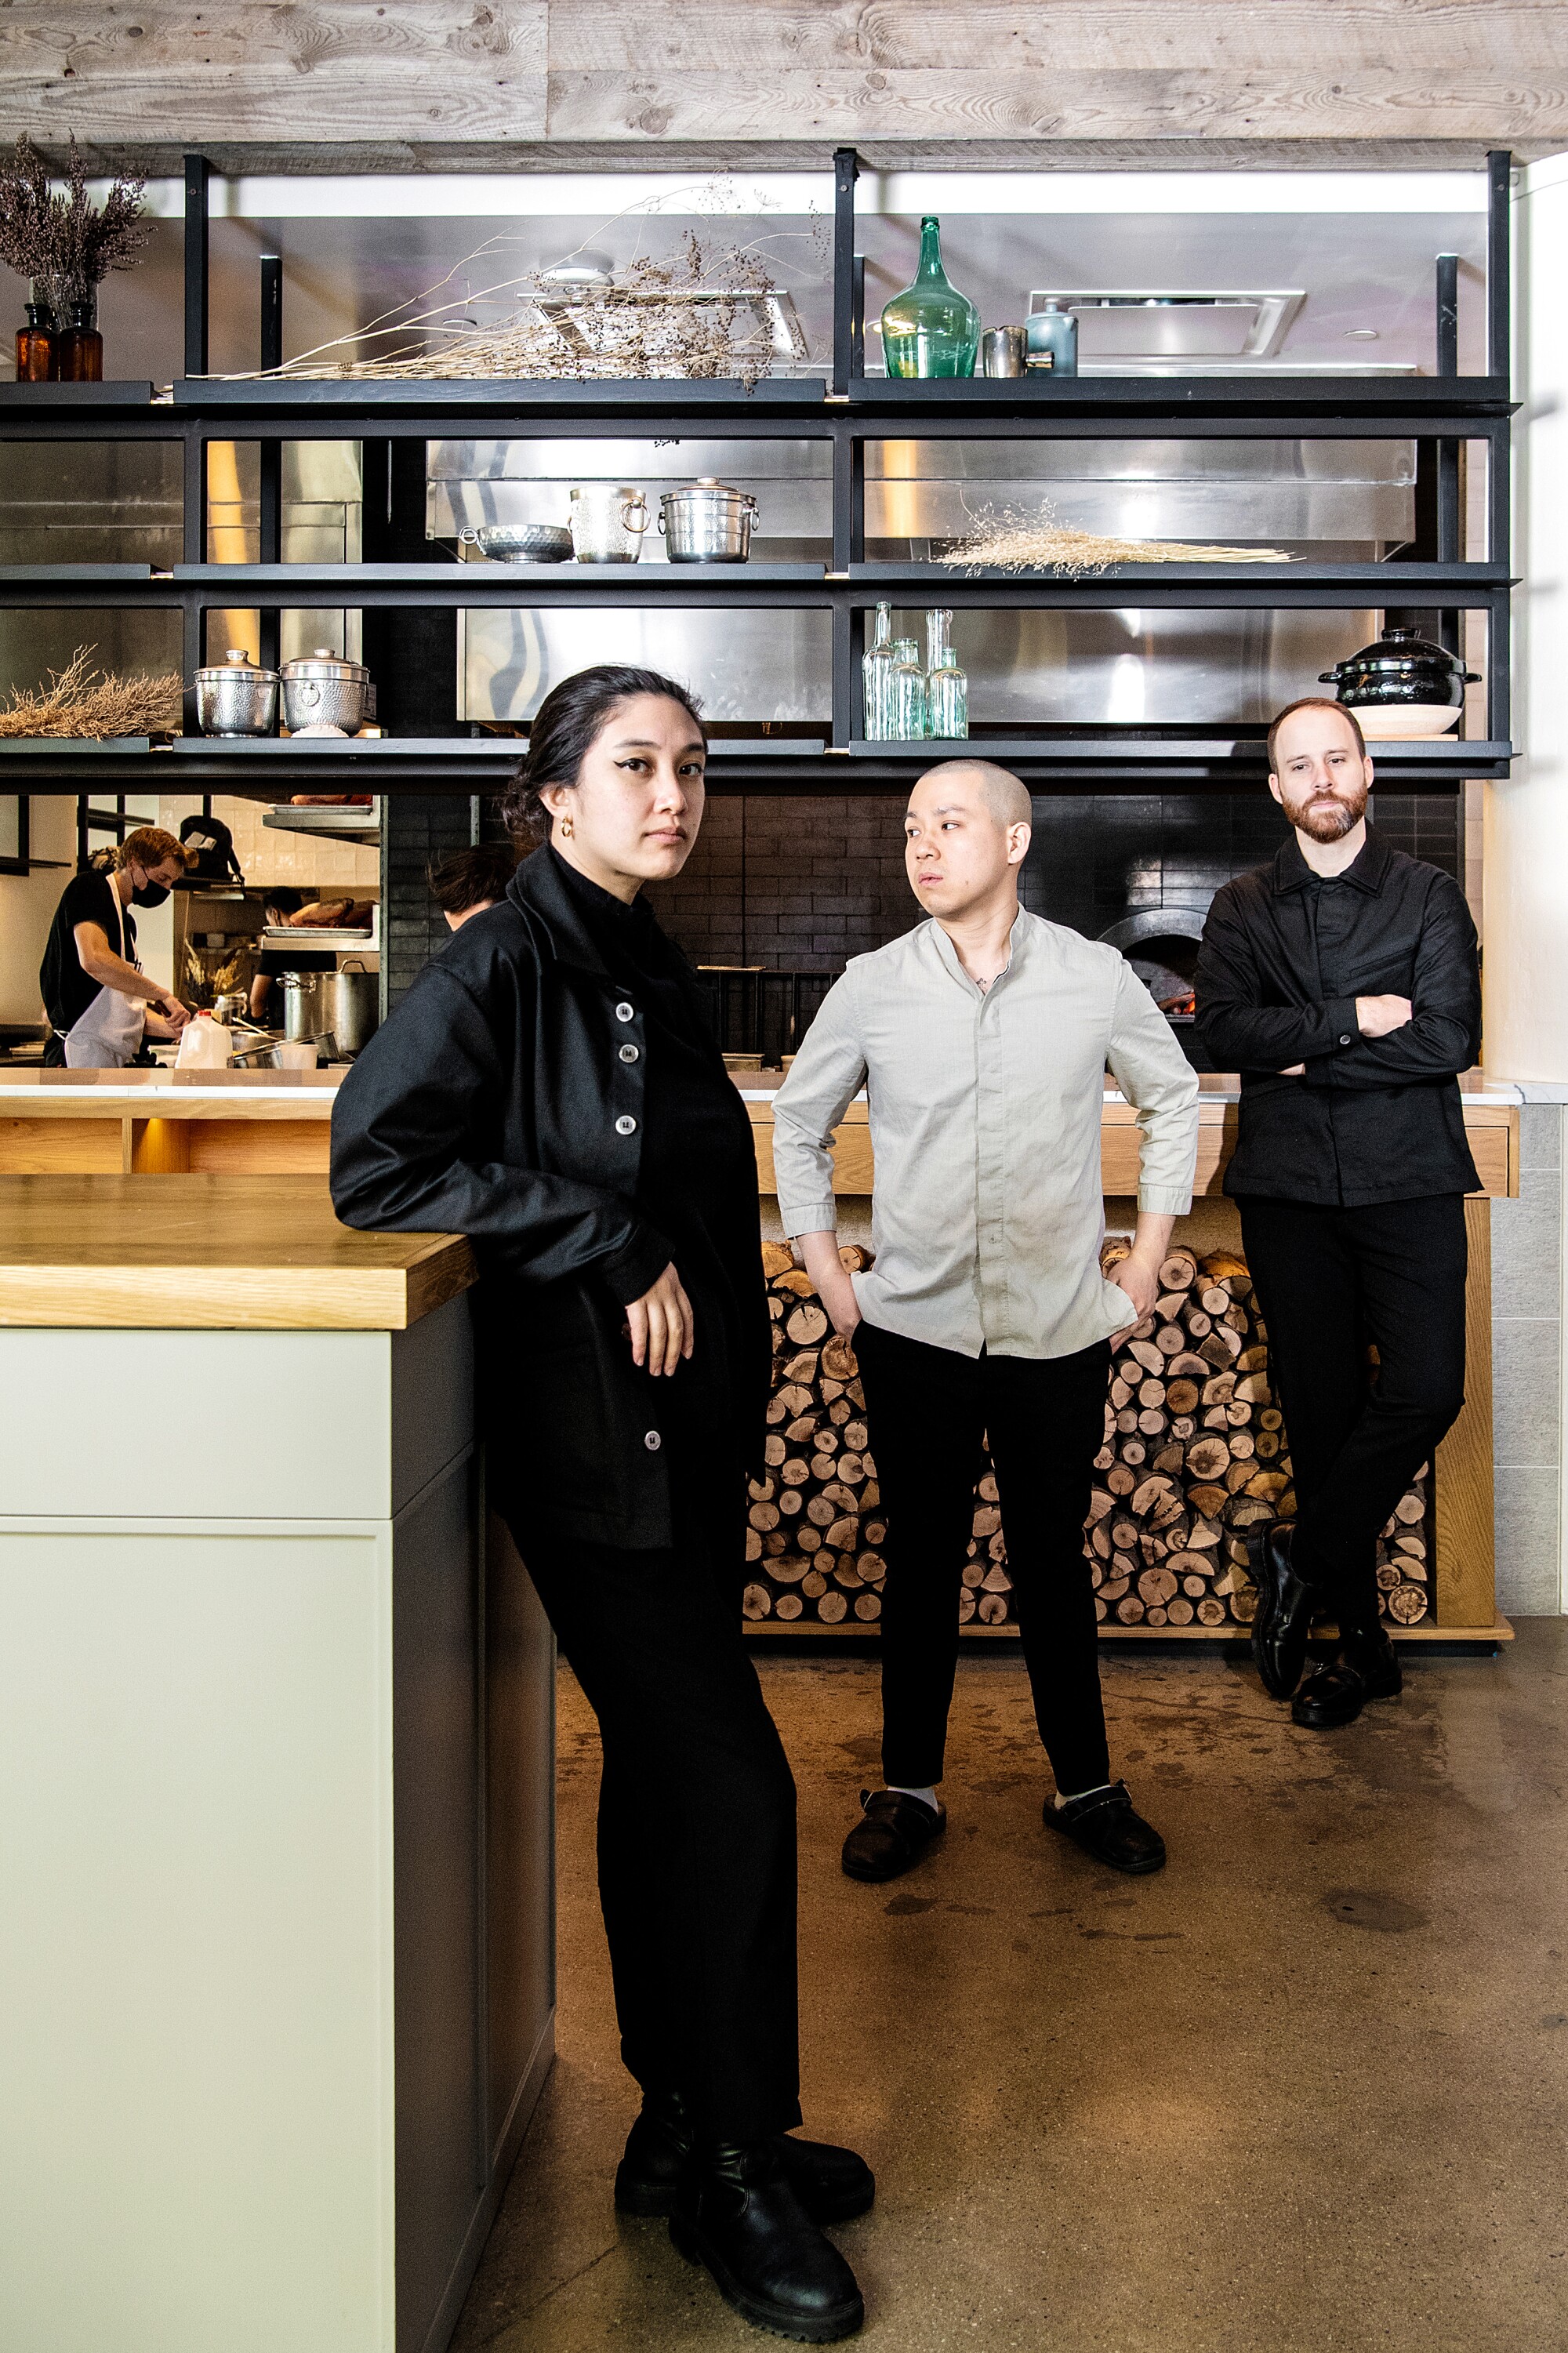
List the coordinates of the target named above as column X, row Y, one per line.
column 1012, row 540
column 82, row 700
column 702, row 312
column 64, row 242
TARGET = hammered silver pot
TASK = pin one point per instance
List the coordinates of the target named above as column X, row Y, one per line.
column 237, row 697
column 321, row 689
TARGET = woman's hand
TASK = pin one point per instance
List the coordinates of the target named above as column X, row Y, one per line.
column 662, row 1324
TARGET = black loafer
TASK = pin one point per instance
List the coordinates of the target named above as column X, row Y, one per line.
column 1285, row 1607
column 893, row 1833
column 1105, row 1825
column 738, row 2213
column 833, row 2185
column 1368, row 1668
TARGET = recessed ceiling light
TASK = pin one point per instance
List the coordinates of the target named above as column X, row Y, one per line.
column 1362, row 334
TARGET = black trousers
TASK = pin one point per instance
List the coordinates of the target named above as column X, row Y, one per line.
column 1329, row 1280
column 928, row 1411
column 696, row 1820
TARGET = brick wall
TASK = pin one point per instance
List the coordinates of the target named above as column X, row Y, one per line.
column 414, row 828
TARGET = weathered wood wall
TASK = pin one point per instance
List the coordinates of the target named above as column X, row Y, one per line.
column 427, row 84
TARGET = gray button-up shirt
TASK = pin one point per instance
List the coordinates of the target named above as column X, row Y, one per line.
column 985, row 1112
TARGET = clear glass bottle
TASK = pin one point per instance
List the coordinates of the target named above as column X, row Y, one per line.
column 930, row 329
column 875, row 671
column 82, row 345
column 36, row 343
column 947, row 687
column 907, row 684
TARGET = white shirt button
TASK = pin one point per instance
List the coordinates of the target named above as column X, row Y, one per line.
column 625, row 1124
column 629, row 1054
column 653, row 1441
column 625, row 1012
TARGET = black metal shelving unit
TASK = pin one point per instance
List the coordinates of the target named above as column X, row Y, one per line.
column 849, row 412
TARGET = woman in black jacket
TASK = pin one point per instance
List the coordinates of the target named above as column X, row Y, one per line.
column 549, row 1086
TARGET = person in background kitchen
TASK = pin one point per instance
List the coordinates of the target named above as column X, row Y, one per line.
column 1341, row 981
column 470, row 881
column 550, row 1086
column 102, row 1006
column 981, row 1040
column 284, row 908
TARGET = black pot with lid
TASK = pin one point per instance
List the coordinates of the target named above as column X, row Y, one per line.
column 1402, row 668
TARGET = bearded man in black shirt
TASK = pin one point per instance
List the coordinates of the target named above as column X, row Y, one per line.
column 1342, row 983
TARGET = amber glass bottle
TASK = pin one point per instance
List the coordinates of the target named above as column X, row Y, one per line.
column 82, row 345
column 35, row 346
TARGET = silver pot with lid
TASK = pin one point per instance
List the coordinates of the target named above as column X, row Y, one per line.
column 323, row 694
column 706, row 521
column 237, row 697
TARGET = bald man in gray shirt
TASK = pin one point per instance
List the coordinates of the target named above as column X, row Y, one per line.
column 982, row 1038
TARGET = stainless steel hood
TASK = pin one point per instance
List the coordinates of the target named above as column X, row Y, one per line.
column 1135, row 324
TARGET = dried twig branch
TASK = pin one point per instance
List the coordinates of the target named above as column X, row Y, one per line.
column 81, row 700
column 1011, row 540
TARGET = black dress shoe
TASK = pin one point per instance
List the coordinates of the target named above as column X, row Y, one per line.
column 1285, row 1607
column 893, row 1833
column 738, row 2212
column 1104, row 1824
column 1367, row 1668
column 833, row 2185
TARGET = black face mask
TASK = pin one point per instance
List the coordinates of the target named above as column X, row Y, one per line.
column 149, row 894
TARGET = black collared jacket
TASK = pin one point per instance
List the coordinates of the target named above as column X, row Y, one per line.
column 1284, row 957
column 498, row 1101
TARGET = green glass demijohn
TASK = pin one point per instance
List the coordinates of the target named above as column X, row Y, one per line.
column 930, row 329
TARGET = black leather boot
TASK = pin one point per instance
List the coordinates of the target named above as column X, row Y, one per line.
column 1286, row 1605
column 833, row 2185
column 1367, row 1668
column 737, row 2211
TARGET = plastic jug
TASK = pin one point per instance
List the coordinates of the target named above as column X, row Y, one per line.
column 206, row 1044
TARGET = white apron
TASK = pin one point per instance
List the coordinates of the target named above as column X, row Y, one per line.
column 108, row 1034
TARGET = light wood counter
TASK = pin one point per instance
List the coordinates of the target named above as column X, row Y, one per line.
column 203, row 1252
column 162, row 1123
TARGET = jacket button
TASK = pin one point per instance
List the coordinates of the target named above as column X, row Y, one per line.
column 625, row 1012
column 625, row 1124
column 630, row 1054
column 653, row 1441
column 1345, row 1040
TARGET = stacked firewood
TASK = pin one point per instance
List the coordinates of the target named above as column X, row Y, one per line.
column 1196, row 1462
column 813, row 1545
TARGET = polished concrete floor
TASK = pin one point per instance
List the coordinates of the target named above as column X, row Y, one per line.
column 1304, row 2092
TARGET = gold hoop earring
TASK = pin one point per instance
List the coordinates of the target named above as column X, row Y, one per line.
column 565, row 828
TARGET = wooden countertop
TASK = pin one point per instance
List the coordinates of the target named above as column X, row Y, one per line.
column 211, row 1253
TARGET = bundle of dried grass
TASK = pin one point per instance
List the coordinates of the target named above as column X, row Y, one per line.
column 1014, row 542
column 701, row 314
column 80, row 699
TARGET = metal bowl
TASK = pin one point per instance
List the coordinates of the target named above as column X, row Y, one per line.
column 528, row 542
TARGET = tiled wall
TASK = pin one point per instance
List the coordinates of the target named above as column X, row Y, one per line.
column 298, row 860
column 1527, row 1346
column 800, row 885
column 414, row 830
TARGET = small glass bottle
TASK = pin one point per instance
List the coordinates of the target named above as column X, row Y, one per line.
column 36, row 343
column 82, row 345
column 930, row 329
column 907, row 684
column 1051, row 340
column 876, row 669
column 947, row 687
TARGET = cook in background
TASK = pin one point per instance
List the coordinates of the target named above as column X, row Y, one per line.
column 294, row 911
column 102, row 1006
column 471, row 879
